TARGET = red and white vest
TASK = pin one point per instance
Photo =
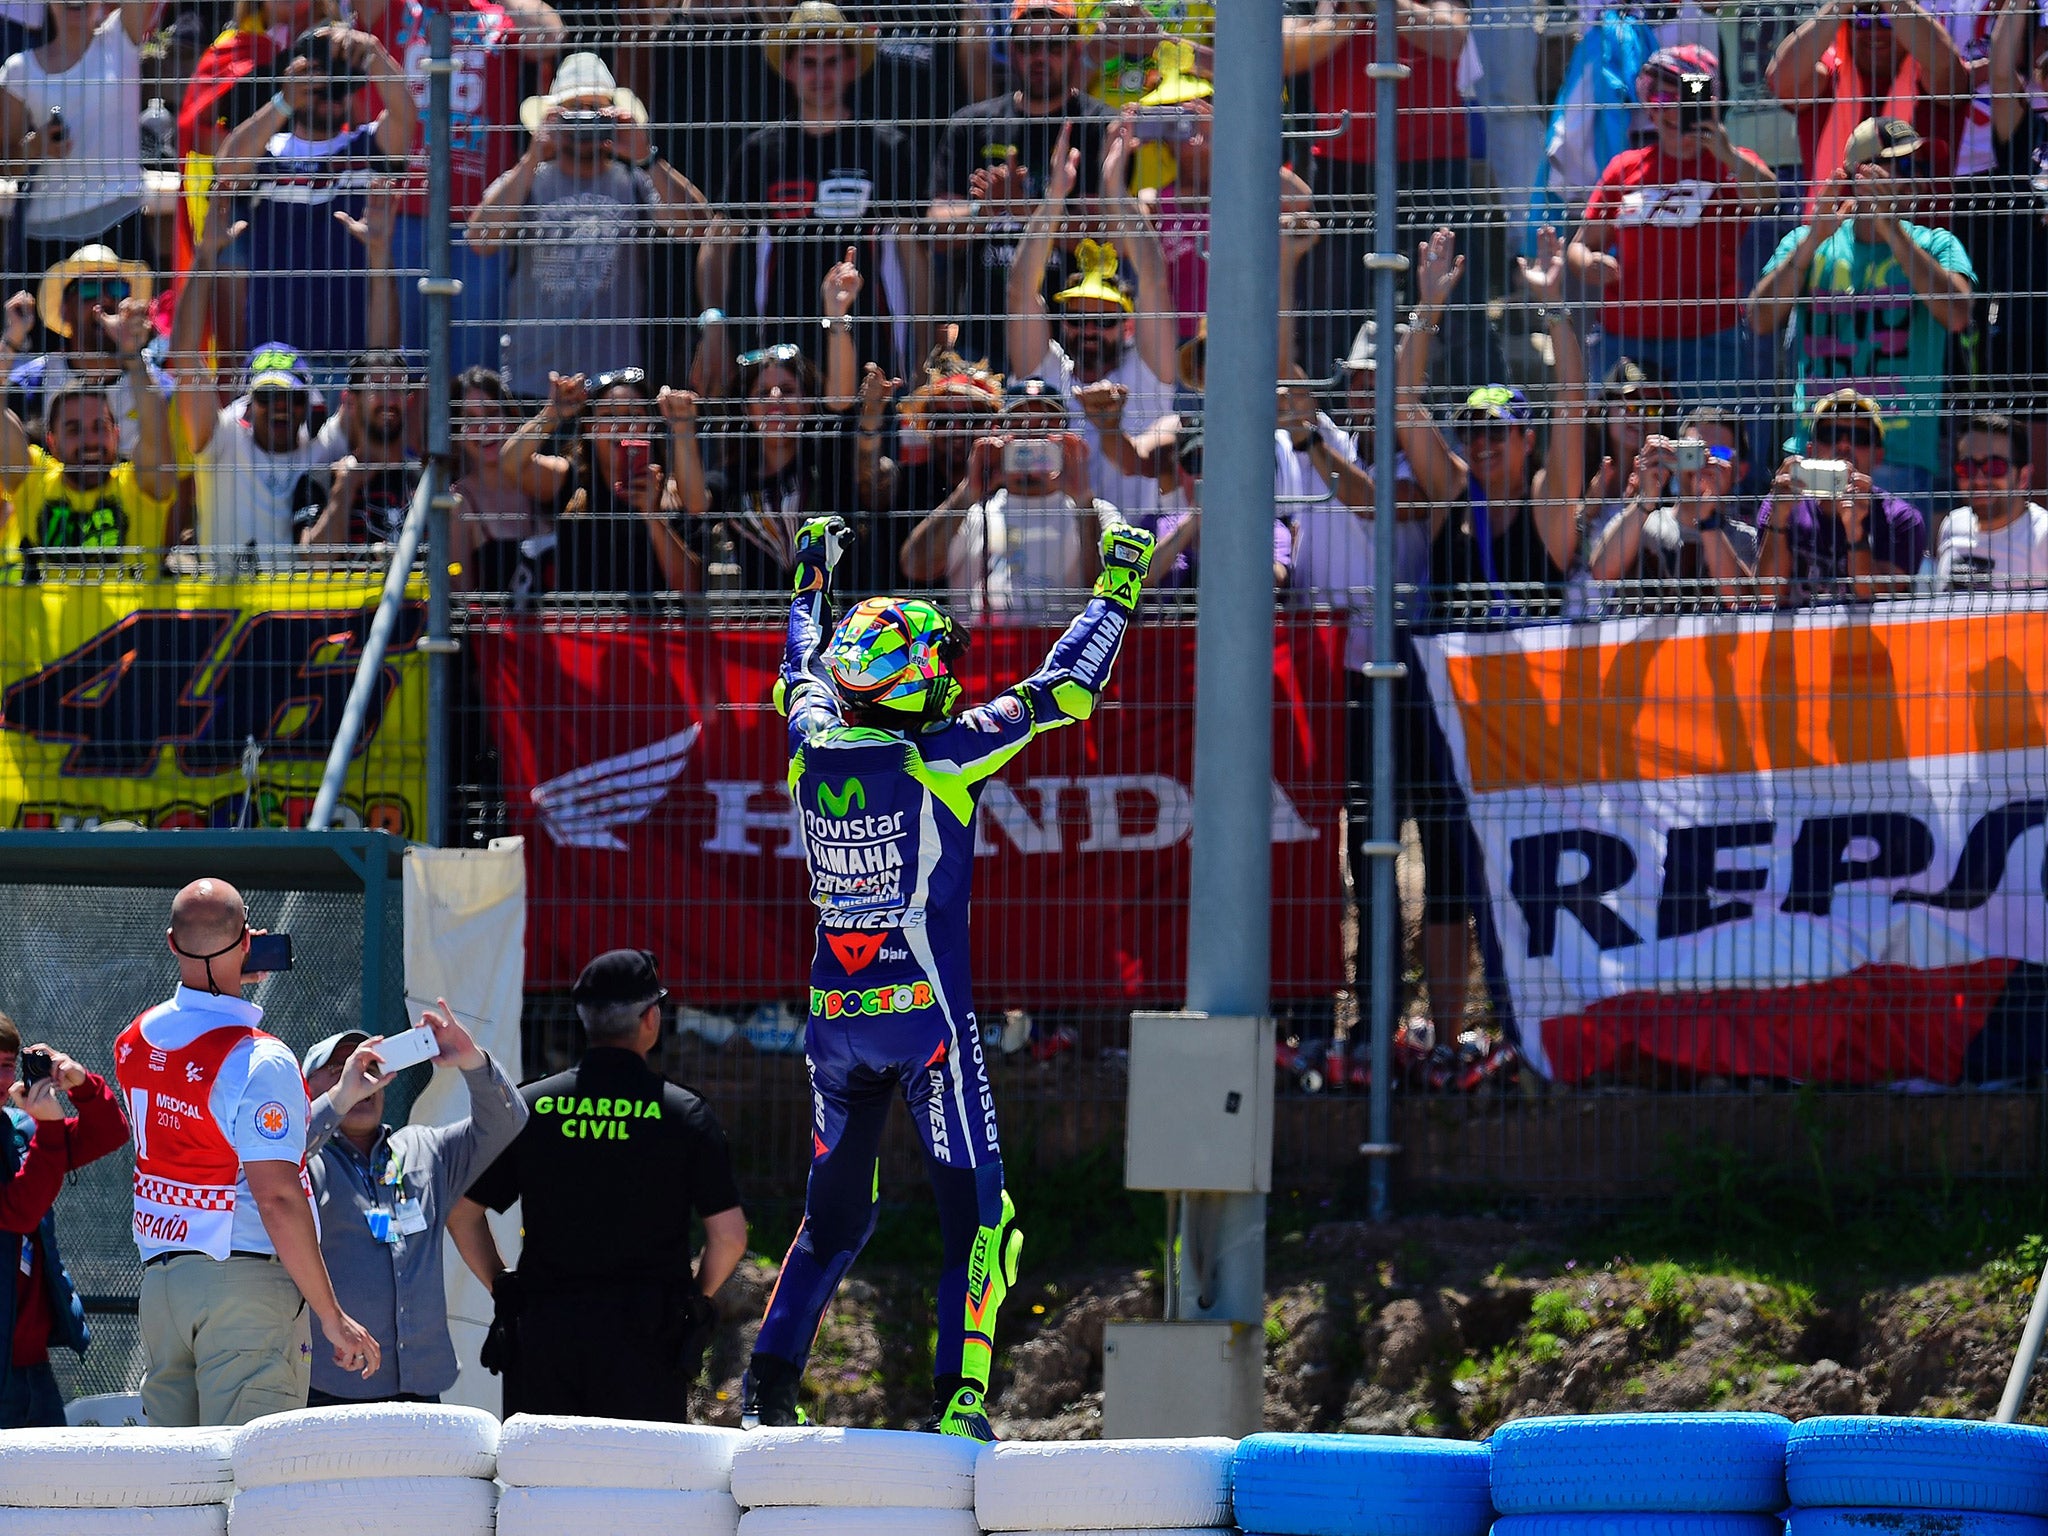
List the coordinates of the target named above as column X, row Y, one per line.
column 185, row 1166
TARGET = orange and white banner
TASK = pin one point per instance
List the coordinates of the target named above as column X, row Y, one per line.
column 1807, row 846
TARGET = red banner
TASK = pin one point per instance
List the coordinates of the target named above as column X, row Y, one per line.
column 645, row 767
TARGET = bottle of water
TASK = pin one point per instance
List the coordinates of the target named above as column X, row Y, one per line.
column 159, row 136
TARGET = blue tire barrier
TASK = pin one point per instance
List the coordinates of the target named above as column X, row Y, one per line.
column 1659, row 1524
column 1361, row 1485
column 1930, row 1464
column 1911, row 1522
column 1627, row 1463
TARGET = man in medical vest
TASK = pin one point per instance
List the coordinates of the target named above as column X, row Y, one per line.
column 223, row 1213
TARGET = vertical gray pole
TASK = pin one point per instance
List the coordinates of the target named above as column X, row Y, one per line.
column 439, row 289
column 1232, row 855
column 1387, row 266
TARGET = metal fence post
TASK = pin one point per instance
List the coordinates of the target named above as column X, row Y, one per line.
column 1384, row 844
column 1229, row 898
column 439, row 290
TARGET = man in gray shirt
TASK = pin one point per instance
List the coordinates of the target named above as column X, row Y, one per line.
column 383, row 1197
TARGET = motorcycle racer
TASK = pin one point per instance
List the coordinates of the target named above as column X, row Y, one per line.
column 886, row 772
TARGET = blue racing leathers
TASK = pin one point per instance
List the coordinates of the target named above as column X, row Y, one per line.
column 888, row 826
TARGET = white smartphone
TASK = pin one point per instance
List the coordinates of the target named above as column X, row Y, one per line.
column 409, row 1049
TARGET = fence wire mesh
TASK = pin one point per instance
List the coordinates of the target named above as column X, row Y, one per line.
column 1720, row 754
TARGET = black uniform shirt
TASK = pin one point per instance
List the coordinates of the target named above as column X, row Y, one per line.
column 611, row 1162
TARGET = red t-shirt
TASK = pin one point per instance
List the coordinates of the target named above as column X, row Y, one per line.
column 484, row 95
column 1940, row 123
column 1430, row 124
column 1678, row 235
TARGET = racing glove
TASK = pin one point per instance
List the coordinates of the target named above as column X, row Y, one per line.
column 819, row 545
column 1126, row 557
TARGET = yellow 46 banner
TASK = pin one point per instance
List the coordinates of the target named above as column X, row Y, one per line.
column 203, row 704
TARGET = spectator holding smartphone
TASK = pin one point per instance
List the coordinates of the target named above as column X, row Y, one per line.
column 1997, row 539
column 1829, row 527
column 1022, row 533
column 1876, row 298
column 232, row 1275
column 597, row 454
column 39, row 1145
column 384, row 1195
column 580, row 208
column 1662, row 235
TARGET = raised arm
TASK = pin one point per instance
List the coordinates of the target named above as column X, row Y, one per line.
column 837, row 295
column 199, row 398
column 1440, row 472
column 374, row 230
column 804, row 692
column 1158, row 330
column 1795, row 75
column 2009, row 100
column 156, row 470
column 1778, row 291
column 1944, row 73
column 1029, row 329
column 1562, row 480
column 498, row 212
column 399, row 125
column 542, row 475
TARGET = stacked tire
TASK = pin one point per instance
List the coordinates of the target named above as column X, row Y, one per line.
column 1641, row 1474
column 1916, row 1477
column 613, row 1477
column 378, row 1469
column 1106, row 1488
column 116, row 1482
column 1361, row 1485
column 854, row 1482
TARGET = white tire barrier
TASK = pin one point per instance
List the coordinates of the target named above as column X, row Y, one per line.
column 109, row 1410
column 556, row 1451
column 859, row 1522
column 584, row 1511
column 853, row 1469
column 368, row 1506
column 1120, row 1484
column 175, row 1520
column 115, row 1468
column 373, row 1440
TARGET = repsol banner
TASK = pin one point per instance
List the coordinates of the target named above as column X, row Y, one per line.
column 163, row 703
column 647, row 769
column 1806, row 847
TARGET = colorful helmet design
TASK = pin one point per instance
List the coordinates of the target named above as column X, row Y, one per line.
column 896, row 654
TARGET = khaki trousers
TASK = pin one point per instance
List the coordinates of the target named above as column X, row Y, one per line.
column 228, row 1340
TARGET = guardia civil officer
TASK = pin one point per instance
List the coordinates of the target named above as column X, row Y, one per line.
column 605, row 1315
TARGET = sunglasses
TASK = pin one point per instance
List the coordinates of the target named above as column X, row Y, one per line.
column 1994, row 467
column 1643, row 410
column 1092, row 322
column 629, row 378
column 94, row 289
column 1854, row 437
column 1485, row 427
column 1660, row 96
column 785, row 352
column 1039, row 44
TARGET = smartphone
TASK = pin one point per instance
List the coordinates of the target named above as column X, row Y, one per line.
column 1696, row 106
column 54, row 127
column 1032, row 456
column 1824, row 479
column 1162, row 125
column 36, row 1066
column 635, row 454
column 268, row 954
column 409, row 1049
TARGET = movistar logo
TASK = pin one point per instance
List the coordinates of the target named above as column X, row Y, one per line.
column 852, row 793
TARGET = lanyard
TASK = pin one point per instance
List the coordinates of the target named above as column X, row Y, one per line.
column 1482, row 532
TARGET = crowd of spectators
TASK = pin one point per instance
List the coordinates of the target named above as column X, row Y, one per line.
column 940, row 269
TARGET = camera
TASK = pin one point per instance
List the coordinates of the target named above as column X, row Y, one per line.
column 1032, row 456
column 36, row 1066
column 1691, row 455
column 1824, row 479
column 332, row 75
column 1162, row 125
column 588, row 128
column 1695, row 102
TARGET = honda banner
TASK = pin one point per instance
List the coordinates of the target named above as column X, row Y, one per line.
column 1805, row 847
column 646, row 767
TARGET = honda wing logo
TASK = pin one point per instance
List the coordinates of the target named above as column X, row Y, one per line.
column 589, row 806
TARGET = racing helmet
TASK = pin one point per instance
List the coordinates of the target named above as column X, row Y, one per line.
column 896, row 654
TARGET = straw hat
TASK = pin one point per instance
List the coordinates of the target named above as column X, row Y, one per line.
column 818, row 21
column 577, row 78
column 87, row 261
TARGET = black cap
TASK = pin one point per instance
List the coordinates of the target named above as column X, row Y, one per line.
column 619, row 976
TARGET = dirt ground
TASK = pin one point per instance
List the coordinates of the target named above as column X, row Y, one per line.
column 1441, row 1326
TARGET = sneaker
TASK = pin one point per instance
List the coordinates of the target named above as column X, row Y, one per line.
column 965, row 1415
column 768, row 1394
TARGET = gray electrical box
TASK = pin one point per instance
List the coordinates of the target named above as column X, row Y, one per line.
column 1179, row 1379
column 1201, row 1104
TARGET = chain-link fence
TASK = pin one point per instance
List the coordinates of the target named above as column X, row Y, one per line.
column 1719, row 750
